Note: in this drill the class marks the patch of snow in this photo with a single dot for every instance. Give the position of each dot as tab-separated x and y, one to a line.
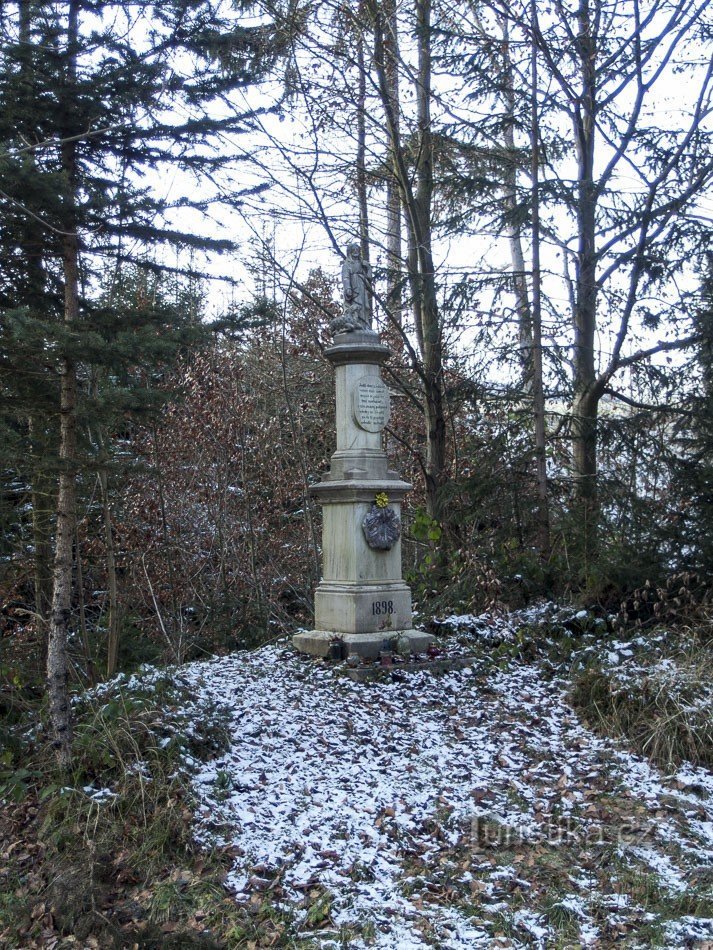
99	795
532	924
339	785
668	875
682	932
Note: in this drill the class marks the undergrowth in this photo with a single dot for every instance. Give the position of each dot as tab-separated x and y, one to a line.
104	856
652	684
656	693
644	674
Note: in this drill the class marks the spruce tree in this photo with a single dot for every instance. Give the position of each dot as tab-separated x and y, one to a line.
98	100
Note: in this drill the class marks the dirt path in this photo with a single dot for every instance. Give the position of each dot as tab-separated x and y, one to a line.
462	811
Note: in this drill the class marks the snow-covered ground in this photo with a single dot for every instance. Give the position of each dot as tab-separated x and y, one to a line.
448	811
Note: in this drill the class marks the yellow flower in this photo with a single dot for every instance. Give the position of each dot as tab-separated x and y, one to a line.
382	499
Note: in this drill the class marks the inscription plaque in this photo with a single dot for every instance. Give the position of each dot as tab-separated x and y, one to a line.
371	404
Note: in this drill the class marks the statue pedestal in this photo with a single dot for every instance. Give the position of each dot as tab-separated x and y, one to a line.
362	599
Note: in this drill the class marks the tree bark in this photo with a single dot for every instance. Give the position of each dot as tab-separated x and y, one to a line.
112	642
361	155
513	229
57	667
42	499
586	398
417	203
57	664
42	481
538	393
428	311
82	607
394	250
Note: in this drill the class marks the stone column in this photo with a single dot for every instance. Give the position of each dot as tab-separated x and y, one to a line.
362	599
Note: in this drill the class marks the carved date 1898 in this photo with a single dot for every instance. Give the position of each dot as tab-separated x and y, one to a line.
380	607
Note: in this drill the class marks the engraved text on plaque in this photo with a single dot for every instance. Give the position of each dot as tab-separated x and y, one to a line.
371	404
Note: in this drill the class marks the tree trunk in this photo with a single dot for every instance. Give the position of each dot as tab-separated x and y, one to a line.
42	498
538	393
57	665
361	156
586	396
82	608
431	331
422	279
57	668
394	251
513	229
584	447
112	642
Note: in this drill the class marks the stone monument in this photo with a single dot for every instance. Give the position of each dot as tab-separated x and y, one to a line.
362	601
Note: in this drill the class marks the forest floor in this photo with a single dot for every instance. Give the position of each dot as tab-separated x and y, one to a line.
463	810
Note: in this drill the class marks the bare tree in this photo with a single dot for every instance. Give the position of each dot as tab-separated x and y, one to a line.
353	116
609	66
616	182
416	190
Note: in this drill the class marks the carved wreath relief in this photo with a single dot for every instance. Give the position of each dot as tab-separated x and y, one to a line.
382	527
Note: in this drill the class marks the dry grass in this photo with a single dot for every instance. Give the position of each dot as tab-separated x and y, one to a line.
656	691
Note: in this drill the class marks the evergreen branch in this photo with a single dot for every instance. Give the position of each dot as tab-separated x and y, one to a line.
35	217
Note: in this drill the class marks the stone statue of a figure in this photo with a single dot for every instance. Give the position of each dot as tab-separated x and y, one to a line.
356	280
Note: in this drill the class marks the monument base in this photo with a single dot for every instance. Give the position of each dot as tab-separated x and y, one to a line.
368	645
356	607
